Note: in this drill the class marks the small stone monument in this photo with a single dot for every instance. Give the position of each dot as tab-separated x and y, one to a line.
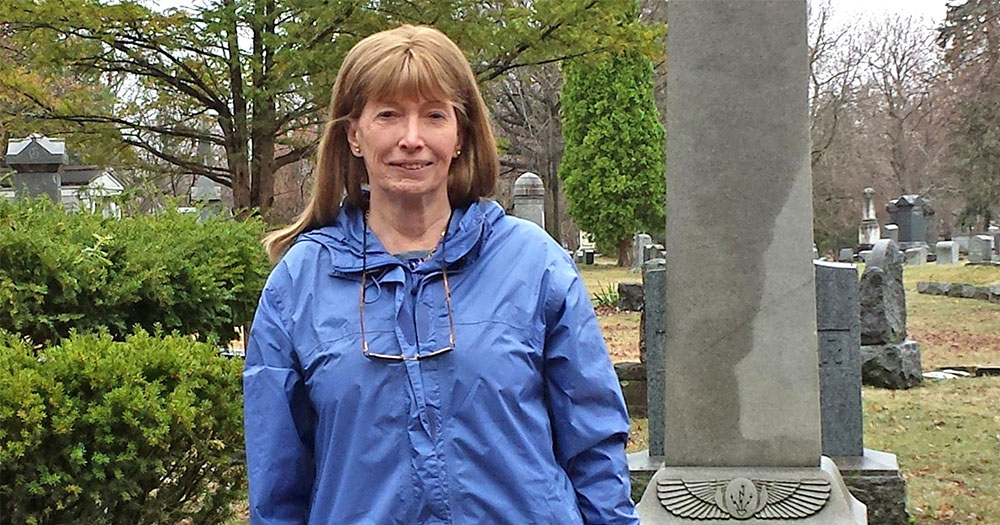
892	232
888	359
639	243
916	256
868	231
963	243
980	249
529	198
742	439
845	255
947	252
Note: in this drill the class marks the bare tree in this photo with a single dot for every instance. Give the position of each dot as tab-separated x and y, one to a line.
836	58
877	114
526	113
902	67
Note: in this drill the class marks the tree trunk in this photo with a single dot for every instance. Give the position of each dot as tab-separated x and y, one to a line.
237	140
625	253
262	124
237	156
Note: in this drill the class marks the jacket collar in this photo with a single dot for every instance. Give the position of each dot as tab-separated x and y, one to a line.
467	231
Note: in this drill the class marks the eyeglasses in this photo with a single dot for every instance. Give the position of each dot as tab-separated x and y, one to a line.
418	356
361	304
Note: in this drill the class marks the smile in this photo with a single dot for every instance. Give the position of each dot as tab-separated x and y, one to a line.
414	165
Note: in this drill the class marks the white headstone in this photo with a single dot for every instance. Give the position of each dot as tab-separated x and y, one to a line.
947	252
529	198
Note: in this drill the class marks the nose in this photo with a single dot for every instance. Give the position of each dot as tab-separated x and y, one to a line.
412	138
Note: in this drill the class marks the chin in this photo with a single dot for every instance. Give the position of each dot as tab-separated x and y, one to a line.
414	189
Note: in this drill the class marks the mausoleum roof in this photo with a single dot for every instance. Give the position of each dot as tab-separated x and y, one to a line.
53	146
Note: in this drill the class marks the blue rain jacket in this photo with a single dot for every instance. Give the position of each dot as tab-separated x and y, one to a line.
523	423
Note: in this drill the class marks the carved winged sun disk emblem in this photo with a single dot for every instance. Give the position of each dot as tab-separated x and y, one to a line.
743	498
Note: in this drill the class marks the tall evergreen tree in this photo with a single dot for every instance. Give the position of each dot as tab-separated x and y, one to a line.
613	161
971	38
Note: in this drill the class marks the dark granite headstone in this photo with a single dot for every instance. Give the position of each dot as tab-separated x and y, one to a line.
654	334
839	332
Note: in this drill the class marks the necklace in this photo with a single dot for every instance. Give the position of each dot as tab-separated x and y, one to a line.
432	250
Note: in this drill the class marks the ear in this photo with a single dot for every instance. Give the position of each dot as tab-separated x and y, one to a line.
458	145
352	138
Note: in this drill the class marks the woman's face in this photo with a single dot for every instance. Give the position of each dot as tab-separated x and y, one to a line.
407	146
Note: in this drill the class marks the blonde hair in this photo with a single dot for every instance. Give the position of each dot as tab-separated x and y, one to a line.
408	60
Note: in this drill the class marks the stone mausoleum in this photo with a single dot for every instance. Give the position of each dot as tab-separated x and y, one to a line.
41	167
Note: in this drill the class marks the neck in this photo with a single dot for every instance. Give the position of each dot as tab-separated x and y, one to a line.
404	226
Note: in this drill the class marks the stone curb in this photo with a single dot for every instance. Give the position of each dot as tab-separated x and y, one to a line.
989	293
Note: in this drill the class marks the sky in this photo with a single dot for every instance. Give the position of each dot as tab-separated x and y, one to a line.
933	10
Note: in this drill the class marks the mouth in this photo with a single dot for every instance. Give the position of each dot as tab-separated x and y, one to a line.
411	164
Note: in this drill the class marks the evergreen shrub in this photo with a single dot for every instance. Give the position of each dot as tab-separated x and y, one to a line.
97	431
61	271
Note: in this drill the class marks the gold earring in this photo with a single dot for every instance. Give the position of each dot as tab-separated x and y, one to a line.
457	153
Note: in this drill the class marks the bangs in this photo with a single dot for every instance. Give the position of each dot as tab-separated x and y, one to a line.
411	72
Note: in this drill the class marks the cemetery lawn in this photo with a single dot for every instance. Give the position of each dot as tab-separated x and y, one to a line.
945	434
946	437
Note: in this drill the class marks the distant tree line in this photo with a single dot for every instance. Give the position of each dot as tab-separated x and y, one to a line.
905	107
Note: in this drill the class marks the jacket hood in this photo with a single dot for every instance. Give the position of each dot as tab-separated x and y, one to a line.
345	239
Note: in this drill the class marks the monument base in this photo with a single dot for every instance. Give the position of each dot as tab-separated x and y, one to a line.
750	495
875	480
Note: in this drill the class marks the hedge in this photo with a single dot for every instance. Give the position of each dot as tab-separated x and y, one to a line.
61	271
98	431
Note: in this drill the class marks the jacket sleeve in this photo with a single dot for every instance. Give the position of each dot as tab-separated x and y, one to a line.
279	422
585	402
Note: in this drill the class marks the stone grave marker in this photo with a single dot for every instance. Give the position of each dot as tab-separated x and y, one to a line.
892	232
947	252
639	243
845	255
839	329
873	476
980	249
963	243
741	395
654	333
916	256
888	359
868	231
529	198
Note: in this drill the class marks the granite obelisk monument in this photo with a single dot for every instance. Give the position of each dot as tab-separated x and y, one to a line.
742	441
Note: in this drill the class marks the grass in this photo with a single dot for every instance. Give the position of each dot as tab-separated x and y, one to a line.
946	437
945	434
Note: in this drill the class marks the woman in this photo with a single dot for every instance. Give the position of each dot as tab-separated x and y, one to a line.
417	356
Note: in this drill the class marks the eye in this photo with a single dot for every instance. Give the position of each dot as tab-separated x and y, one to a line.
385	114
